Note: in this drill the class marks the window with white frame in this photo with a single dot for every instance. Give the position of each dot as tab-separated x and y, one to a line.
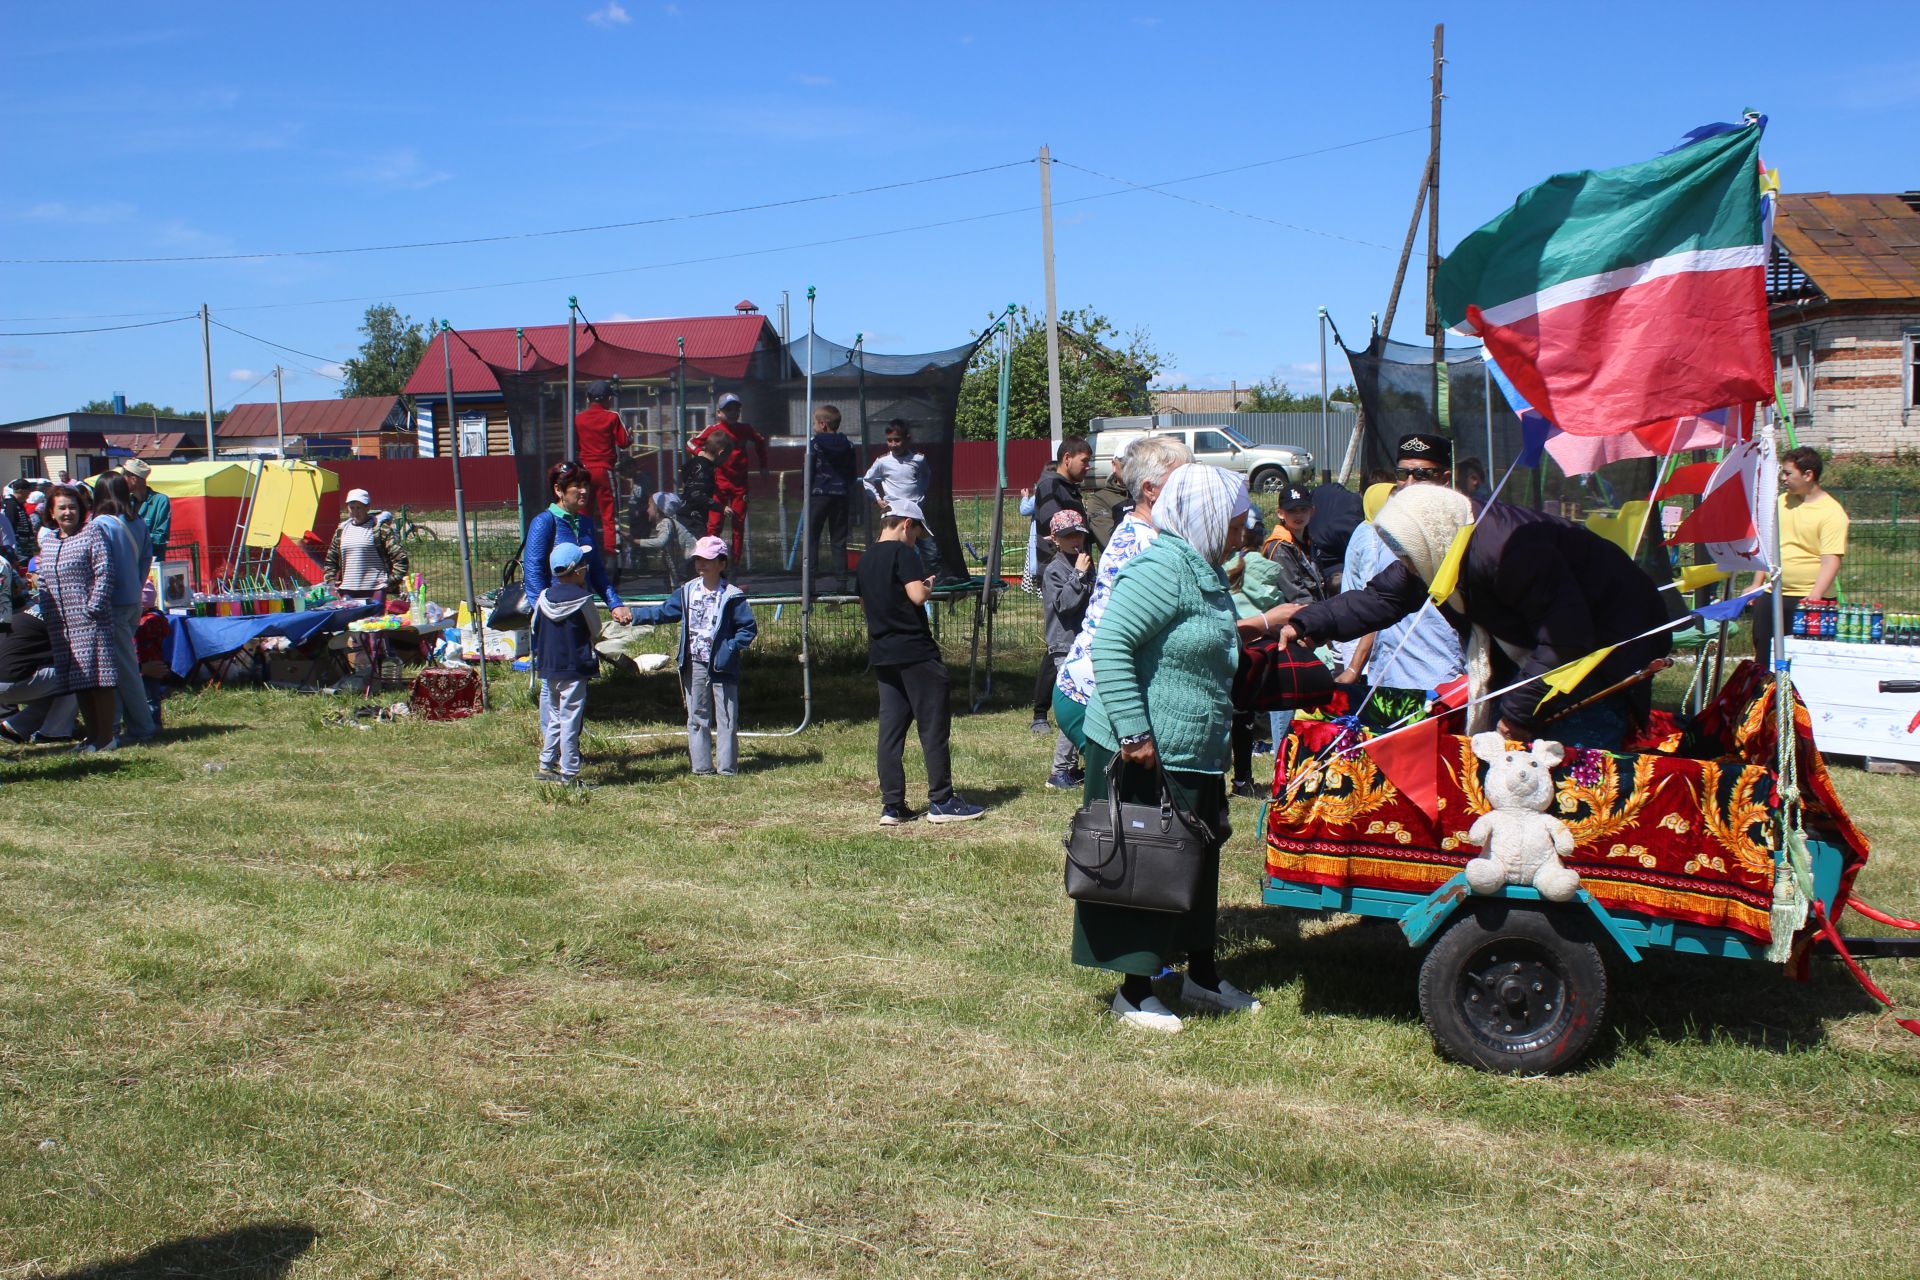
1803	373
1910	366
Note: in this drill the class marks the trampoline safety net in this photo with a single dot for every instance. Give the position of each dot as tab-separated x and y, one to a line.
667	399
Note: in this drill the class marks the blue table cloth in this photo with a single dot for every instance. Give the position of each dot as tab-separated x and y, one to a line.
192	641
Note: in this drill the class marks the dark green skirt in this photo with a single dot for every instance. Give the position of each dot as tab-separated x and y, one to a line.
1145	942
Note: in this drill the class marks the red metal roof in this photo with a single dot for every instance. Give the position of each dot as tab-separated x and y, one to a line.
148	445
352	416
721	346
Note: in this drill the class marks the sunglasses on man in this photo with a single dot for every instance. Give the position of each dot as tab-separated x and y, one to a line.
1421	475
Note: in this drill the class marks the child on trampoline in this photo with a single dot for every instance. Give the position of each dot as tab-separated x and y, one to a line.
716	626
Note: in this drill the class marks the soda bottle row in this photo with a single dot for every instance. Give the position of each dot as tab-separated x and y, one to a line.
1854	623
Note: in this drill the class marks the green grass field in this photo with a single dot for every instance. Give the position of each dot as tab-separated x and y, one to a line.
281	997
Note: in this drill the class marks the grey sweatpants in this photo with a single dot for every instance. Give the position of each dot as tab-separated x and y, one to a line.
563	713
129	691
713	718
1066	756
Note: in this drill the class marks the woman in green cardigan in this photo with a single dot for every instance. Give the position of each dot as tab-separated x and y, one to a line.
1163	664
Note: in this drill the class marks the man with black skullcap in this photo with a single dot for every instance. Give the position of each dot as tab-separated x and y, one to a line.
599	436
1423	459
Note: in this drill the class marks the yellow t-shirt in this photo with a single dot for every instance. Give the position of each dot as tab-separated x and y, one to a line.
1808	530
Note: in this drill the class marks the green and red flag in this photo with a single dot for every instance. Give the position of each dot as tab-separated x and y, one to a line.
1622	297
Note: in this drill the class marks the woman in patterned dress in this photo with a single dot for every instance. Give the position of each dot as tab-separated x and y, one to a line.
75	597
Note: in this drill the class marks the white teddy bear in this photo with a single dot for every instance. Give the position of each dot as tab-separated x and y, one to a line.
1523	843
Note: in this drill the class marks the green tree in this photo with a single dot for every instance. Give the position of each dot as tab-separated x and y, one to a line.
1103	372
393	346
1274	396
148	409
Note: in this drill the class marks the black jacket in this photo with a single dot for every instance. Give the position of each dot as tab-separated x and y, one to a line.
1337	512
1544	586
697	478
1053	493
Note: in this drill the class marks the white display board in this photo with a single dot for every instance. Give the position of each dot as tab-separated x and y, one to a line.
1840	683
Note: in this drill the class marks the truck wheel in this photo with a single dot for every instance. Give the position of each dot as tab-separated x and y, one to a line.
1514	989
1268	480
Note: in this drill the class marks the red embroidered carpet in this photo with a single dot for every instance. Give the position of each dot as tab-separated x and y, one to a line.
1655	831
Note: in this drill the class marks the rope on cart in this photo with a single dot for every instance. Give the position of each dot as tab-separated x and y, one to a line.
1867	984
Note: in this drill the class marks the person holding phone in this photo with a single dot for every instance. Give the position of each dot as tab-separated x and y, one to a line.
894	588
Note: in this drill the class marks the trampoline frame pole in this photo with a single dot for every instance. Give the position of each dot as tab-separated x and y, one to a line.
573	337
983	610
866	441
679	408
460	517
1326	427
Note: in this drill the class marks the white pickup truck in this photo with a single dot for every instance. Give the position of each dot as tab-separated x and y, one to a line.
1267	467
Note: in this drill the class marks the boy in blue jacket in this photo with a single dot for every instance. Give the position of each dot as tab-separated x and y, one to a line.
565	625
716	626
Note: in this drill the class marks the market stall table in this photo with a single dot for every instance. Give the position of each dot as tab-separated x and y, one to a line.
193	642
1841	686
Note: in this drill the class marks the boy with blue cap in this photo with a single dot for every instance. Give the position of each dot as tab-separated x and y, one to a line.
566	623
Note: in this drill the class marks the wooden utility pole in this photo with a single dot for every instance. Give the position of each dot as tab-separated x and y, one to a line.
1053	312
1434	327
206	365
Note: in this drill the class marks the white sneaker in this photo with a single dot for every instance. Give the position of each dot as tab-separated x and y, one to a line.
1149	1014
1228	999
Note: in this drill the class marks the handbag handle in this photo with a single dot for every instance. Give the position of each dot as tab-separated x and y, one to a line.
1169	806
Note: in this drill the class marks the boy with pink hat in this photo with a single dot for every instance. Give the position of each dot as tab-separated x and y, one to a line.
716	626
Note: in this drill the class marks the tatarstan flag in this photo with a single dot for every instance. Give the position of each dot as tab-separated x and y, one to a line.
1627	296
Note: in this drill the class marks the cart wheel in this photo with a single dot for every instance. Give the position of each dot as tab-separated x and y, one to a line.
1514	989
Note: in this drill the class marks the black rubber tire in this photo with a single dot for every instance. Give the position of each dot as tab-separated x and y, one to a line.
1268	480
1514	989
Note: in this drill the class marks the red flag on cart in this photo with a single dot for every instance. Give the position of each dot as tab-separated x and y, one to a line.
1410	758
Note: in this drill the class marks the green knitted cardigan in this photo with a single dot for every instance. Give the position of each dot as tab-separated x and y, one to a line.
1164	658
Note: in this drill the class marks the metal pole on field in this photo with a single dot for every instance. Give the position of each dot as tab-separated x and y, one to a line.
1054	415
460	515
806	492
983	609
206	364
279	413
866	443
1326	423
679	409
573	340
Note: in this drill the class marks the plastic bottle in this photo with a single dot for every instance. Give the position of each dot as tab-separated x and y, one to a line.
1799	628
1877	626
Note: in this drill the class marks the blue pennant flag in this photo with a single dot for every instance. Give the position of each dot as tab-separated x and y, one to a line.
1728	610
1535	430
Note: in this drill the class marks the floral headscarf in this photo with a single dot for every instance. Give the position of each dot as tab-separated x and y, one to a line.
1203	506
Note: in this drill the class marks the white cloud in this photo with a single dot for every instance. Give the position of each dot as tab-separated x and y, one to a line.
20	358
671	10
332	368
620	317
611	14
399	169
813	82
95	214
242	375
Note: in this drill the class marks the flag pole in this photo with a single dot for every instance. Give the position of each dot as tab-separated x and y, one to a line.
460	512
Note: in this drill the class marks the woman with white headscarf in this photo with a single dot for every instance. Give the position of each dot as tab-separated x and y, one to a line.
1535	592
1163	663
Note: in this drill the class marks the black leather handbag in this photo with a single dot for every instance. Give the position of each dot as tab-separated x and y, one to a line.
1146	856
511	611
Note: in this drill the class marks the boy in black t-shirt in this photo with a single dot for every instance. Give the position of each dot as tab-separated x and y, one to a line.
894	588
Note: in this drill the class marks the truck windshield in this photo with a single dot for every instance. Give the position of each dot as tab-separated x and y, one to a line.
1237	438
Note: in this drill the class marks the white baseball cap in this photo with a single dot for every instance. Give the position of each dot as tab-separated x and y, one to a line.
908	508
727	399
359	495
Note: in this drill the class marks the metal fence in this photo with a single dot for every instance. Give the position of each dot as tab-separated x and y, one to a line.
1882	565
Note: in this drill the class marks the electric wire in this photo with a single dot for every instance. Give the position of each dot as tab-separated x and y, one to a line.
1126	187
283	347
111	328
517	235
1156	189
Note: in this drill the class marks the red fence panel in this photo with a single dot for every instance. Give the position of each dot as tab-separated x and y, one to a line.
426	482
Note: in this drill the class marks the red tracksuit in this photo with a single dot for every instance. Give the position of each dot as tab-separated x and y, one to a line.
730	478
599	436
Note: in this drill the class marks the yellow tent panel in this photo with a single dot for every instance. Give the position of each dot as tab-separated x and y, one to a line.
200	480
287	501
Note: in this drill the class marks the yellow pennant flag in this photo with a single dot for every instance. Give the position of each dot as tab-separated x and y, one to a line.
1566	679
1447	576
1695	576
1624	527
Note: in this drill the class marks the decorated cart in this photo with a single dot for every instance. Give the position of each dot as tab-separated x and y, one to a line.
1677	846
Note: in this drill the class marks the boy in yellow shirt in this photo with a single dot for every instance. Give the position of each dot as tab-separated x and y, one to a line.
1813	541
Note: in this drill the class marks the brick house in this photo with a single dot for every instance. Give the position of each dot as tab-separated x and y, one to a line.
1843	290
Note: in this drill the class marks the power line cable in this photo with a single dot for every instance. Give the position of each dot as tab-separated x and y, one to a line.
517	235
1126	188
283	347
112	328
1156	189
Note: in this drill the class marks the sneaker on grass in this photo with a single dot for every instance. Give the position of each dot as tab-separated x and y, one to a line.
1148	1015
1061	780
1227	998
895	815
954	809
1039	725
545	774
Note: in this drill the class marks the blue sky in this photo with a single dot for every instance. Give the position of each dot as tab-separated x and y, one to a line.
142	130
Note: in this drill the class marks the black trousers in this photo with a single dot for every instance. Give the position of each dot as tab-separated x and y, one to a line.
1043	686
831	512
914	693
1763	625
1243	731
